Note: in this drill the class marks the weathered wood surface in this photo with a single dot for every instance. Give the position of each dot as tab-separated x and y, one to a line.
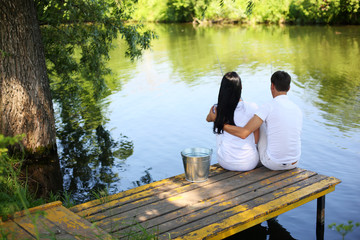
228	202
50	221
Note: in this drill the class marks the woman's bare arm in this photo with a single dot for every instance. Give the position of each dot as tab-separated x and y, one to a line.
212	114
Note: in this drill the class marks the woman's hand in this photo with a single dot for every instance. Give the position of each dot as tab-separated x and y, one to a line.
212	114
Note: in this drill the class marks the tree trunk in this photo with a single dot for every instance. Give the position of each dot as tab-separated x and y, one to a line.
25	98
26	105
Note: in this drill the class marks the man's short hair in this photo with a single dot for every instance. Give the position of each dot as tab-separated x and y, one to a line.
281	81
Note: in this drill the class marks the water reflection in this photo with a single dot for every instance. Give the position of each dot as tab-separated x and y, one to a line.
87	149
328	63
146	179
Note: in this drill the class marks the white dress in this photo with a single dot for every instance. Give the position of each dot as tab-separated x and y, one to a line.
234	153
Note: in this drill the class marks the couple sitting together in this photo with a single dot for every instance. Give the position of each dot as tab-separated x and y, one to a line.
248	136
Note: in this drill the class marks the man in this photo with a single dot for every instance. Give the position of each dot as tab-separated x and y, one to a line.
279	144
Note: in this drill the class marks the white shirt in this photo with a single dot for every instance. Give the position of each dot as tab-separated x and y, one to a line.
234	153
283	120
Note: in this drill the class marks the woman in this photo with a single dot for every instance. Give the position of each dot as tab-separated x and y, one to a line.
233	153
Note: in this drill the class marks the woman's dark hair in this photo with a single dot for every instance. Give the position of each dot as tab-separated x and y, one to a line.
228	99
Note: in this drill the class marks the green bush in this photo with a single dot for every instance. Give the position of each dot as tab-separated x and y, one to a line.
188	10
256	11
313	11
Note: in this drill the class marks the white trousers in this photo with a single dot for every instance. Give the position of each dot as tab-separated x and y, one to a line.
264	158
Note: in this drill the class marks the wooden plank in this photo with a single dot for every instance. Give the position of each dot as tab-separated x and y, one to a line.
245	218
55	222
41	227
224	208
144	197
213	196
242	203
75	225
10	230
32	223
147	197
43	207
188	197
214	170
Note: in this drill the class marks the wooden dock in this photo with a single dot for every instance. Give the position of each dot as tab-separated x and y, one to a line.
227	203
49	221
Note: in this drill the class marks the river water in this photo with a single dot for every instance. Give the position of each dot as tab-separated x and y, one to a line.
151	109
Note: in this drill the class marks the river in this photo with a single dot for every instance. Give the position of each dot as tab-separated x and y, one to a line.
151	109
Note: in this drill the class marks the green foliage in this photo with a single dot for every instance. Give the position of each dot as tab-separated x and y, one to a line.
65	197
255	11
67	200
101	194
7	141
14	194
180	10
312	11
78	35
188	10
344	229
330	11
270	11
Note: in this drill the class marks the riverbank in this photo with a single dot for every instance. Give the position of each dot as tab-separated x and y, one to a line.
248	11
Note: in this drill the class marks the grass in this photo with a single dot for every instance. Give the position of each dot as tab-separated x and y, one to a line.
14	194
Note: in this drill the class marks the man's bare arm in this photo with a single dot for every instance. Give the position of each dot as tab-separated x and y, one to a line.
243	132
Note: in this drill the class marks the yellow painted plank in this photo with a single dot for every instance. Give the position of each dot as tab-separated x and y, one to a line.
57	222
217	210
166	220
10	230
214	169
33	224
140	198
132	201
268	216
27	219
263	212
41	227
178	199
38	208
96	202
75	225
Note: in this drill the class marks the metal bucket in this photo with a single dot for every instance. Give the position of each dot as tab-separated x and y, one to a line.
196	163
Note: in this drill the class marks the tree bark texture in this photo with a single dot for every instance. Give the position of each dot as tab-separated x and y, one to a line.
25	97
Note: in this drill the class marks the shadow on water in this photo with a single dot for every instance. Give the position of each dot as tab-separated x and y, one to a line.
273	231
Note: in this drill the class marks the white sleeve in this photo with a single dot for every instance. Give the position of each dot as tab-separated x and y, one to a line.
263	111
